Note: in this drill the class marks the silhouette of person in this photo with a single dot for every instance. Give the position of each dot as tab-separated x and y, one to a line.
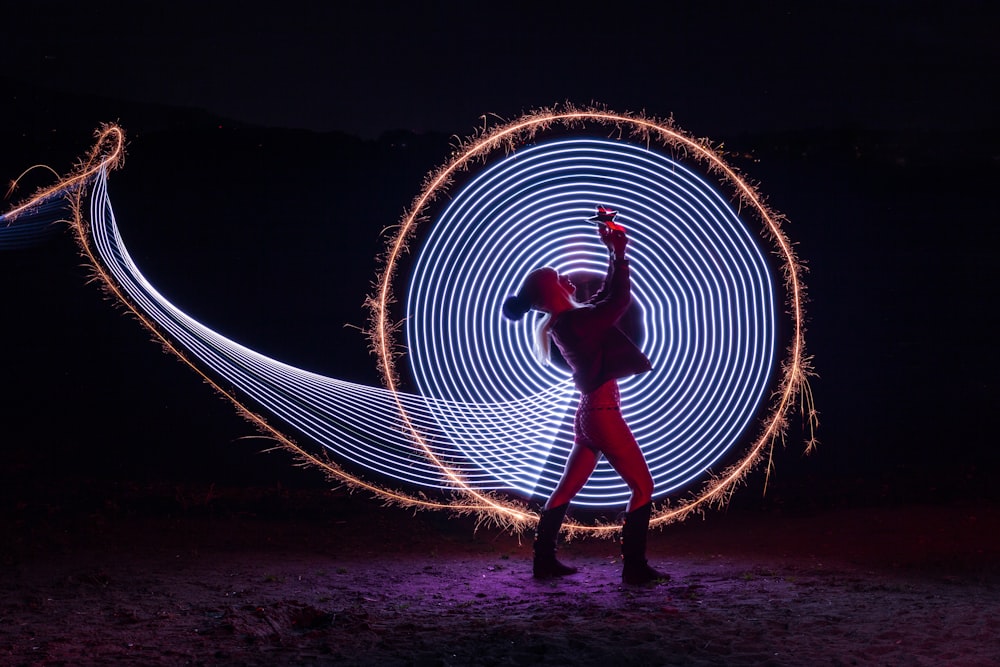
598	353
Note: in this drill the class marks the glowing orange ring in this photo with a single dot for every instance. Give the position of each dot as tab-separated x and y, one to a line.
108	153
795	369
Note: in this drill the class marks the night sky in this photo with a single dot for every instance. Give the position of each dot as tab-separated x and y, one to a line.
892	211
363	68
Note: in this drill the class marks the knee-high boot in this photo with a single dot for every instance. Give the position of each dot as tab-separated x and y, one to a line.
636	570
545	564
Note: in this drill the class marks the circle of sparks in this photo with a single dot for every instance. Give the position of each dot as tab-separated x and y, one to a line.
549	227
701	285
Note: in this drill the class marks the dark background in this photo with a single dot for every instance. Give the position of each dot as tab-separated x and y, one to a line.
269	152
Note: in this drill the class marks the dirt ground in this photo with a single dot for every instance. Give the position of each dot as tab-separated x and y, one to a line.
207	576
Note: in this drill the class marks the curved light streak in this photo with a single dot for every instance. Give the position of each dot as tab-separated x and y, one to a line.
382	439
33	230
356	424
792	382
700	281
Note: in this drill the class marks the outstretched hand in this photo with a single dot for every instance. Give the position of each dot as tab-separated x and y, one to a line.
614	239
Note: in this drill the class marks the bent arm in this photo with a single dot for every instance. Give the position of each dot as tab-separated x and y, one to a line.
614	297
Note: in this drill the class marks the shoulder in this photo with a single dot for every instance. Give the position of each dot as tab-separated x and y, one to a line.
573	318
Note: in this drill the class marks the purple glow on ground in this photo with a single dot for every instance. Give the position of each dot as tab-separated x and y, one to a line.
241	579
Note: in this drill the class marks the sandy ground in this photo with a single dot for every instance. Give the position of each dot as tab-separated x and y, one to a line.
204	576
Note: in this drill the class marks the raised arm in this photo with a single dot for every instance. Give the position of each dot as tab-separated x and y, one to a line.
614	297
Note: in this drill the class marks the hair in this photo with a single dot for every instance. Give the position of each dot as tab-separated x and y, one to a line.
516	306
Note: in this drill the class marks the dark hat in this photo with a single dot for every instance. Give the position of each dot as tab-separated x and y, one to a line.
604	214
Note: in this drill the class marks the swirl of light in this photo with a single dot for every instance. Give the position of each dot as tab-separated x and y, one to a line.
790	384
355	424
700	281
404	446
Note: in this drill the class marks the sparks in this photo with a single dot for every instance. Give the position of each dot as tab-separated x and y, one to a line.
642	130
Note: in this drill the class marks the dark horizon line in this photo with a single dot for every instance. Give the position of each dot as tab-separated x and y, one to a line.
161	116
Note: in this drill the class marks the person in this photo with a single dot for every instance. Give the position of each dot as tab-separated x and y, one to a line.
599	354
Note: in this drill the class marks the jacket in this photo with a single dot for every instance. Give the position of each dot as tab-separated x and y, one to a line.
591	342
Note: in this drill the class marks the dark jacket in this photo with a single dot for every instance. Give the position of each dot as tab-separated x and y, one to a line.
590	340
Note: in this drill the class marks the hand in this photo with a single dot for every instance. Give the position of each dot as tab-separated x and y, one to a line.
615	240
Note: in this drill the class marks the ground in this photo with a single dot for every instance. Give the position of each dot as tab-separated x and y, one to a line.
249	576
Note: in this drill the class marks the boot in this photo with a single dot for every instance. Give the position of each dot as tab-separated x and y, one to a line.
636	570
545	564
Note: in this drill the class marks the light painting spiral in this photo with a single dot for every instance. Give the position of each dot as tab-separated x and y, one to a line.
700	283
486	430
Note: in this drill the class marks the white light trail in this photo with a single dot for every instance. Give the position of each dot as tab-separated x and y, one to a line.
700	283
357	424
490	425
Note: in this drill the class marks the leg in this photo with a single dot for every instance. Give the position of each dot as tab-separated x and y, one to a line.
636	570
609	432
616	441
545	564
579	466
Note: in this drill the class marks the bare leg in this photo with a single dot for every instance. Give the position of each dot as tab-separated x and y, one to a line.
625	456
579	466
608	430
631	465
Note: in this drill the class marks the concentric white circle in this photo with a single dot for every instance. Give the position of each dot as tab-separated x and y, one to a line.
702	288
